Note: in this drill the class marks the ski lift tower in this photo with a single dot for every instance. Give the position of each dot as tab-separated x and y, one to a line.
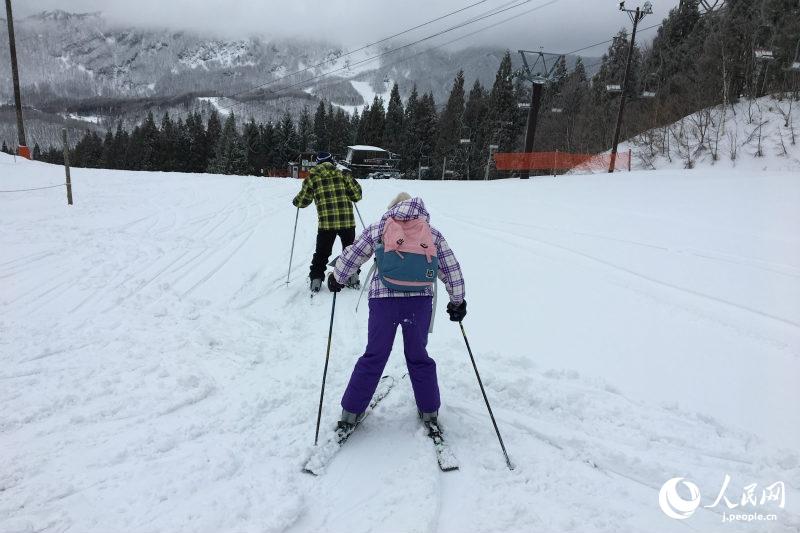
636	16
540	72
709	6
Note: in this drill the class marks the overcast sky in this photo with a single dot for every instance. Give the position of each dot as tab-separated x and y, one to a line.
561	26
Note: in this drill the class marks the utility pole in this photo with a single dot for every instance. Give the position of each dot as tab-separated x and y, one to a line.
23	149
539	74
636	16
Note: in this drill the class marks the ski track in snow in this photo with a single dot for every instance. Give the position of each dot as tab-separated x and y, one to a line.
159	374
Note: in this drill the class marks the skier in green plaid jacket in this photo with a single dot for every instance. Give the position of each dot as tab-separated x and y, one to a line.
333	192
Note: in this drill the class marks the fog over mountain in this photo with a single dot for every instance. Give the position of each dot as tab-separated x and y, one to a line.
83	67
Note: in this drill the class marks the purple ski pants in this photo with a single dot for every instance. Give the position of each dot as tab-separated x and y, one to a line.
413	314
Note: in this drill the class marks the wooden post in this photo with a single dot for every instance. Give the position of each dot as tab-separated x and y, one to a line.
444	167
66	166
630	158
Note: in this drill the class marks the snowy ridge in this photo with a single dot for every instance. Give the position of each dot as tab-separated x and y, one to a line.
760	134
159	375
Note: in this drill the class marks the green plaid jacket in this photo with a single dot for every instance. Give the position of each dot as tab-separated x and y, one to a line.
333	192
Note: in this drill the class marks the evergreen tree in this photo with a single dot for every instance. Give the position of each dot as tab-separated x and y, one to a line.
322	128
499	125
269	148
361	130
230	155
37	152
393	128
167	155
341	133
424	128
474	117
149	149
5	149
253	142
118	153
355	125
450	130
287	141
411	148
109	161
305	131
183	147
197	159
213	132
375	123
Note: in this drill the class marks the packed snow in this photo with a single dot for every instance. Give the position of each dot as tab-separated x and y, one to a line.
217	102
368	94
160	375
92	119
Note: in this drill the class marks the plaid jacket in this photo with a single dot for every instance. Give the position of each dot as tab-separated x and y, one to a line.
333	192
360	251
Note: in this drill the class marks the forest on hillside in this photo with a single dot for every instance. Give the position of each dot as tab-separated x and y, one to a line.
697	59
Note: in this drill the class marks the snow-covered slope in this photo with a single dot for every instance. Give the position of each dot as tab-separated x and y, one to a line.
159	375
760	134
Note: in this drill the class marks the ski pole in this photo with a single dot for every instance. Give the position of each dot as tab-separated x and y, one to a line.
485	399
325	372
294	235
359	217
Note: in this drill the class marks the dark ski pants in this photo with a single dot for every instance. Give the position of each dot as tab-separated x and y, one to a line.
413	315
325	240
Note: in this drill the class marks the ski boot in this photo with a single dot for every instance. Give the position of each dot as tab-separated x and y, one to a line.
349	421
429	418
315	285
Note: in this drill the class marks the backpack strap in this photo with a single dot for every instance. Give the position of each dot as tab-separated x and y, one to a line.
433	311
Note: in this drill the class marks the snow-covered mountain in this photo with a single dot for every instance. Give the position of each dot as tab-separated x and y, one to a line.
79	70
77	56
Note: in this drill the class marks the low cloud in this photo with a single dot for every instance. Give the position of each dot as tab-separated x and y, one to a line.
562	25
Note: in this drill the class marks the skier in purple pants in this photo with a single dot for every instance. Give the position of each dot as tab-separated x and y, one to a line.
389	308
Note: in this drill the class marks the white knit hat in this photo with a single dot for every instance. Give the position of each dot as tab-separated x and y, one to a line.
402	197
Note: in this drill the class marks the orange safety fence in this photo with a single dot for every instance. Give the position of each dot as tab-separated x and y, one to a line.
560	161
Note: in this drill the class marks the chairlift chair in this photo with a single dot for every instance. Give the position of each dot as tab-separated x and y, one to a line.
614	88
648	94
523	105
795	66
557	110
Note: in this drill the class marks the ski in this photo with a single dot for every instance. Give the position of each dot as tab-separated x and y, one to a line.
323	454
444	455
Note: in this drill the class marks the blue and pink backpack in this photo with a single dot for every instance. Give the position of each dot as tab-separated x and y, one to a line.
406	257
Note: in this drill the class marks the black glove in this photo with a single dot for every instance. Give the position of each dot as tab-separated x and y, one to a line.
333	285
457	312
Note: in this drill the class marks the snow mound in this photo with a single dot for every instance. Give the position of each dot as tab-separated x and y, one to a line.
760	134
